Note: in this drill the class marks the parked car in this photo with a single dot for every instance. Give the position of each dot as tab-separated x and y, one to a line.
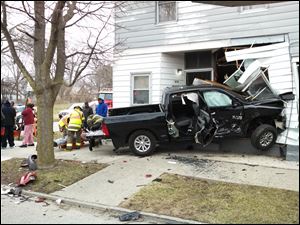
19	118
92	104
195	114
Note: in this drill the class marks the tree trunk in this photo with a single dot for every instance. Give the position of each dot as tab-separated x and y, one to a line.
45	151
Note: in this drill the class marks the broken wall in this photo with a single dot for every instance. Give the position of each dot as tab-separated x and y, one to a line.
276	58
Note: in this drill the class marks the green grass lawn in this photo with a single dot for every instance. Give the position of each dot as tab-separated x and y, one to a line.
216	202
65	173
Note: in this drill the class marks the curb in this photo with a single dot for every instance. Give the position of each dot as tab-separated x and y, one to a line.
112	209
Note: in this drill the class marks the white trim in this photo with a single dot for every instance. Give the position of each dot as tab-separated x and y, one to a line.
295	59
193	46
296	79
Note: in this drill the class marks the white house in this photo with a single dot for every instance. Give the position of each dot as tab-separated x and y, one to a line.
172	42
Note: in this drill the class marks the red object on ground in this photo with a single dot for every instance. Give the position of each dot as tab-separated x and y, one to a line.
40	199
27	177
148	175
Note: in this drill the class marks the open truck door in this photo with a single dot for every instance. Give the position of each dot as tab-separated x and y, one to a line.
188	117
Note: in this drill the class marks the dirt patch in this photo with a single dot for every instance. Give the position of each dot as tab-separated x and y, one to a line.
65	173
216	202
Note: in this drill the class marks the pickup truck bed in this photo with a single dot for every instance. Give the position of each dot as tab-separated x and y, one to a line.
128	120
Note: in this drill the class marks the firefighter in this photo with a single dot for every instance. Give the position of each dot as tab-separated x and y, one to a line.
94	122
63	127
74	127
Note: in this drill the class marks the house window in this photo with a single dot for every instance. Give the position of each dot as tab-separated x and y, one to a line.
141	90
254	8
166	11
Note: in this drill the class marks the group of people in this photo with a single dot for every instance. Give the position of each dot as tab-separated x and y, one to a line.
8	124
70	125
81	118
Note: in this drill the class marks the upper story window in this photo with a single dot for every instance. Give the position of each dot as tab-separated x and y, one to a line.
166	11
254	8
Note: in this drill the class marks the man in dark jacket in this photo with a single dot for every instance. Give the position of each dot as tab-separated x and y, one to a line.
87	110
9	124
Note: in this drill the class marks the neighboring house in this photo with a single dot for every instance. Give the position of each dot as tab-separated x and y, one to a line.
172	42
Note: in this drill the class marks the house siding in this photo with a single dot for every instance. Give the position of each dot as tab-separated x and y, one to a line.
202	22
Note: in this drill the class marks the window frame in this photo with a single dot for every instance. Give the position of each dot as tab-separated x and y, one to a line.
132	89
157	12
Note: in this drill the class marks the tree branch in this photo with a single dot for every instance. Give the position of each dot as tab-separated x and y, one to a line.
12	47
29	35
25	10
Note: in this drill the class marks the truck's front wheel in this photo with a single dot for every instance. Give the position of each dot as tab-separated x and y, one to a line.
264	137
142	143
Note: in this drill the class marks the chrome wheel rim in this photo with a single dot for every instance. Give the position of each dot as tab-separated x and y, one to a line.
142	143
266	139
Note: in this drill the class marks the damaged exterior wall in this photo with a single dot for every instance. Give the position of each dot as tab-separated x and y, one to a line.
277	59
158	48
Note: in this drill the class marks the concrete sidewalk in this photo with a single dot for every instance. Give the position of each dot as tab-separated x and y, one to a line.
126	173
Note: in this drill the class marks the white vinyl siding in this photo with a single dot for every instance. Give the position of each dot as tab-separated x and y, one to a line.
198	22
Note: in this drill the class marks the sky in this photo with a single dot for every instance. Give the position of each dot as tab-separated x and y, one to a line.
76	36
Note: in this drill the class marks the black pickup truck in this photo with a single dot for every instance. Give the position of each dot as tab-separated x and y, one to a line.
195	114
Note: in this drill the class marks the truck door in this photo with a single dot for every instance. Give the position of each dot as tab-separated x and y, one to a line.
226	110
201	125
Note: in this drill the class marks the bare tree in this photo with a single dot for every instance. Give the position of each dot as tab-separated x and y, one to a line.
50	54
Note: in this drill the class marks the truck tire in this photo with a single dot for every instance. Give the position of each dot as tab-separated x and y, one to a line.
264	137
142	143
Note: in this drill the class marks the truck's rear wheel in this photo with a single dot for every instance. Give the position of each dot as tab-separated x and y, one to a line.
142	143
264	137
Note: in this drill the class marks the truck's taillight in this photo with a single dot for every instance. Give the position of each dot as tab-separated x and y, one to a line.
105	130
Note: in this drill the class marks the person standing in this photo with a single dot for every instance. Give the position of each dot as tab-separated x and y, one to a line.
101	108
74	128
87	110
9	114
28	118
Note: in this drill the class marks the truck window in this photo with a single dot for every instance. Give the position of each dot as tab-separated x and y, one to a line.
217	99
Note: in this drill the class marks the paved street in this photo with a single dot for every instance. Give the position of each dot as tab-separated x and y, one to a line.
30	212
